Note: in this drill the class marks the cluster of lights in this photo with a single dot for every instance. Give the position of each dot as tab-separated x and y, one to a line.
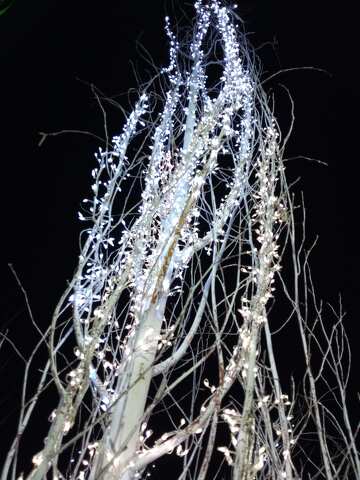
144	251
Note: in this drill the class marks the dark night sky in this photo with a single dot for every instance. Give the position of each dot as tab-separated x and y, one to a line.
50	52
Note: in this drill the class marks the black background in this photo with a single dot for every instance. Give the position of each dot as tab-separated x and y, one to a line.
51	51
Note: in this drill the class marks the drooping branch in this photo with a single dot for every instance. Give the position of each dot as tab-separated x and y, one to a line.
167	313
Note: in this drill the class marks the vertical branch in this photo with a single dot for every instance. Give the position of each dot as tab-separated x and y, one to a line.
184	226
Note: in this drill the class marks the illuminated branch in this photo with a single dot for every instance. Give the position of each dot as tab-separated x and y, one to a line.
182	244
